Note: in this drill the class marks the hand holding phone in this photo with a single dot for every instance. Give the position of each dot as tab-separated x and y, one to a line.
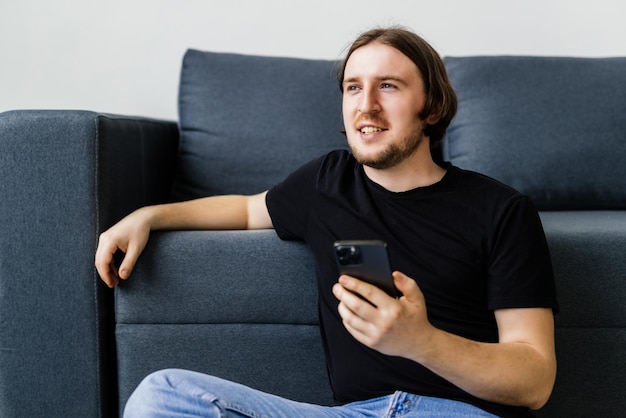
368	261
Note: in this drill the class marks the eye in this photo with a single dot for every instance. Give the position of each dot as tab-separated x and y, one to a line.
351	87
387	86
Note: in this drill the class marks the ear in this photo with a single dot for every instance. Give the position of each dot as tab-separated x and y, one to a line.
432	119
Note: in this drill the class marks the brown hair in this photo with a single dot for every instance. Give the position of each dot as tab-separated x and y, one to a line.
441	100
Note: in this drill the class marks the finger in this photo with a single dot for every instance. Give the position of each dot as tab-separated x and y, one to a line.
352	322
105	264
113	277
407	286
108	276
129	261
346	296
372	294
353	307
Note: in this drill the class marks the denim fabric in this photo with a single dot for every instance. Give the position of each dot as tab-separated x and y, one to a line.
181	393
551	127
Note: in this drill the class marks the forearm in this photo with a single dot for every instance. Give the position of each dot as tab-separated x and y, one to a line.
218	212
511	373
518	370
211	213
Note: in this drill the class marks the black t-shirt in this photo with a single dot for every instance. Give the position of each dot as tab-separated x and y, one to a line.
471	243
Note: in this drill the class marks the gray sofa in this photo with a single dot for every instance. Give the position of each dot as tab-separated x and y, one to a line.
242	305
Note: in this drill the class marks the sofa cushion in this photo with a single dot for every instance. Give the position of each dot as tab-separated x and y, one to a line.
553	128
184	276
587	254
587	250
241	305
248	121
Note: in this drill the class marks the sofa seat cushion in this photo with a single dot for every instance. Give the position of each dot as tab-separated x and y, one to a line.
240	305
587	249
184	277
248	121
550	127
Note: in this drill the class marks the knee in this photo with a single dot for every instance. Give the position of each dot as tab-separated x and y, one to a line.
152	396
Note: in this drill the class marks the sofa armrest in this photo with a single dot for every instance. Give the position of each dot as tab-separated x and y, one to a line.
64	176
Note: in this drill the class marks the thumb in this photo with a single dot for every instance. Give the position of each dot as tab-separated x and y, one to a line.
407	286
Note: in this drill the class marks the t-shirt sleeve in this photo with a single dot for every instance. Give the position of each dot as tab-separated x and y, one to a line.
520	271
290	202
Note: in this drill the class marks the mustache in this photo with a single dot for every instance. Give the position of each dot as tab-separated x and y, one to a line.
371	118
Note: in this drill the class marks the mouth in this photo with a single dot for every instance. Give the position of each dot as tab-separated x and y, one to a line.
368	129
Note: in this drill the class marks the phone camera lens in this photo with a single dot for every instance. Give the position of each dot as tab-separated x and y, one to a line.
348	255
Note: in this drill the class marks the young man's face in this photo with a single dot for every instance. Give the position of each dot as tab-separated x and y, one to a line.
383	94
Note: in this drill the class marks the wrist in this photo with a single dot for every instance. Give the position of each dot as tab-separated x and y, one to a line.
429	344
148	216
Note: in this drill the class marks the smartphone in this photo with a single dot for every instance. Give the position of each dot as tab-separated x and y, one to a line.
368	261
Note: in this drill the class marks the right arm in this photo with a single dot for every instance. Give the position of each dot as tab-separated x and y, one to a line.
130	235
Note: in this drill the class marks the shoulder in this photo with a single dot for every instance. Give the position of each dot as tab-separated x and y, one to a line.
338	160
477	181
483	186
291	201
489	195
339	173
312	173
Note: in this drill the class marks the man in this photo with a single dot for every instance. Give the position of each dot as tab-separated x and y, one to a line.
473	333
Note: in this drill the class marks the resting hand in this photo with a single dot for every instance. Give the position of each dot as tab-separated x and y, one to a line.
130	236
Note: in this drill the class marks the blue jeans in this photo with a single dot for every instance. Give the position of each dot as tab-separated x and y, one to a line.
181	393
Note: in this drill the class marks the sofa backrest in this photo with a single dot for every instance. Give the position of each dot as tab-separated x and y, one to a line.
247	121
553	128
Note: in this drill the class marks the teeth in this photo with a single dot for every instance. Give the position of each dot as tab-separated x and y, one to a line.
370	129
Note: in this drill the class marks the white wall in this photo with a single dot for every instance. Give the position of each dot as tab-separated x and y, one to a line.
123	56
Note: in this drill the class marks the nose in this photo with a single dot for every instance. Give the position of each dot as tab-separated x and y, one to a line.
369	101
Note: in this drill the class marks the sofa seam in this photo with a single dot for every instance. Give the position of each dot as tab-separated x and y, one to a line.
216	323
94	274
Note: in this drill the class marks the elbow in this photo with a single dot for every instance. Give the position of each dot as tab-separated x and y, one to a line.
539	403
542	393
534	388
540	400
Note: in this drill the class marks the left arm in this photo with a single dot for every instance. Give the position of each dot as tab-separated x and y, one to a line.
518	370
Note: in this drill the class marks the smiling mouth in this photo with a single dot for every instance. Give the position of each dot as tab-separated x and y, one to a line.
370	129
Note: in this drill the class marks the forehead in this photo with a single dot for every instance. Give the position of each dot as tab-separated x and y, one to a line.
377	60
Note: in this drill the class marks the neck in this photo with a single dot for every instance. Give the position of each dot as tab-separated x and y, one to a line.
418	170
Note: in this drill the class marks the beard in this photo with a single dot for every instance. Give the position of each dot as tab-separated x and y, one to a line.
393	154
